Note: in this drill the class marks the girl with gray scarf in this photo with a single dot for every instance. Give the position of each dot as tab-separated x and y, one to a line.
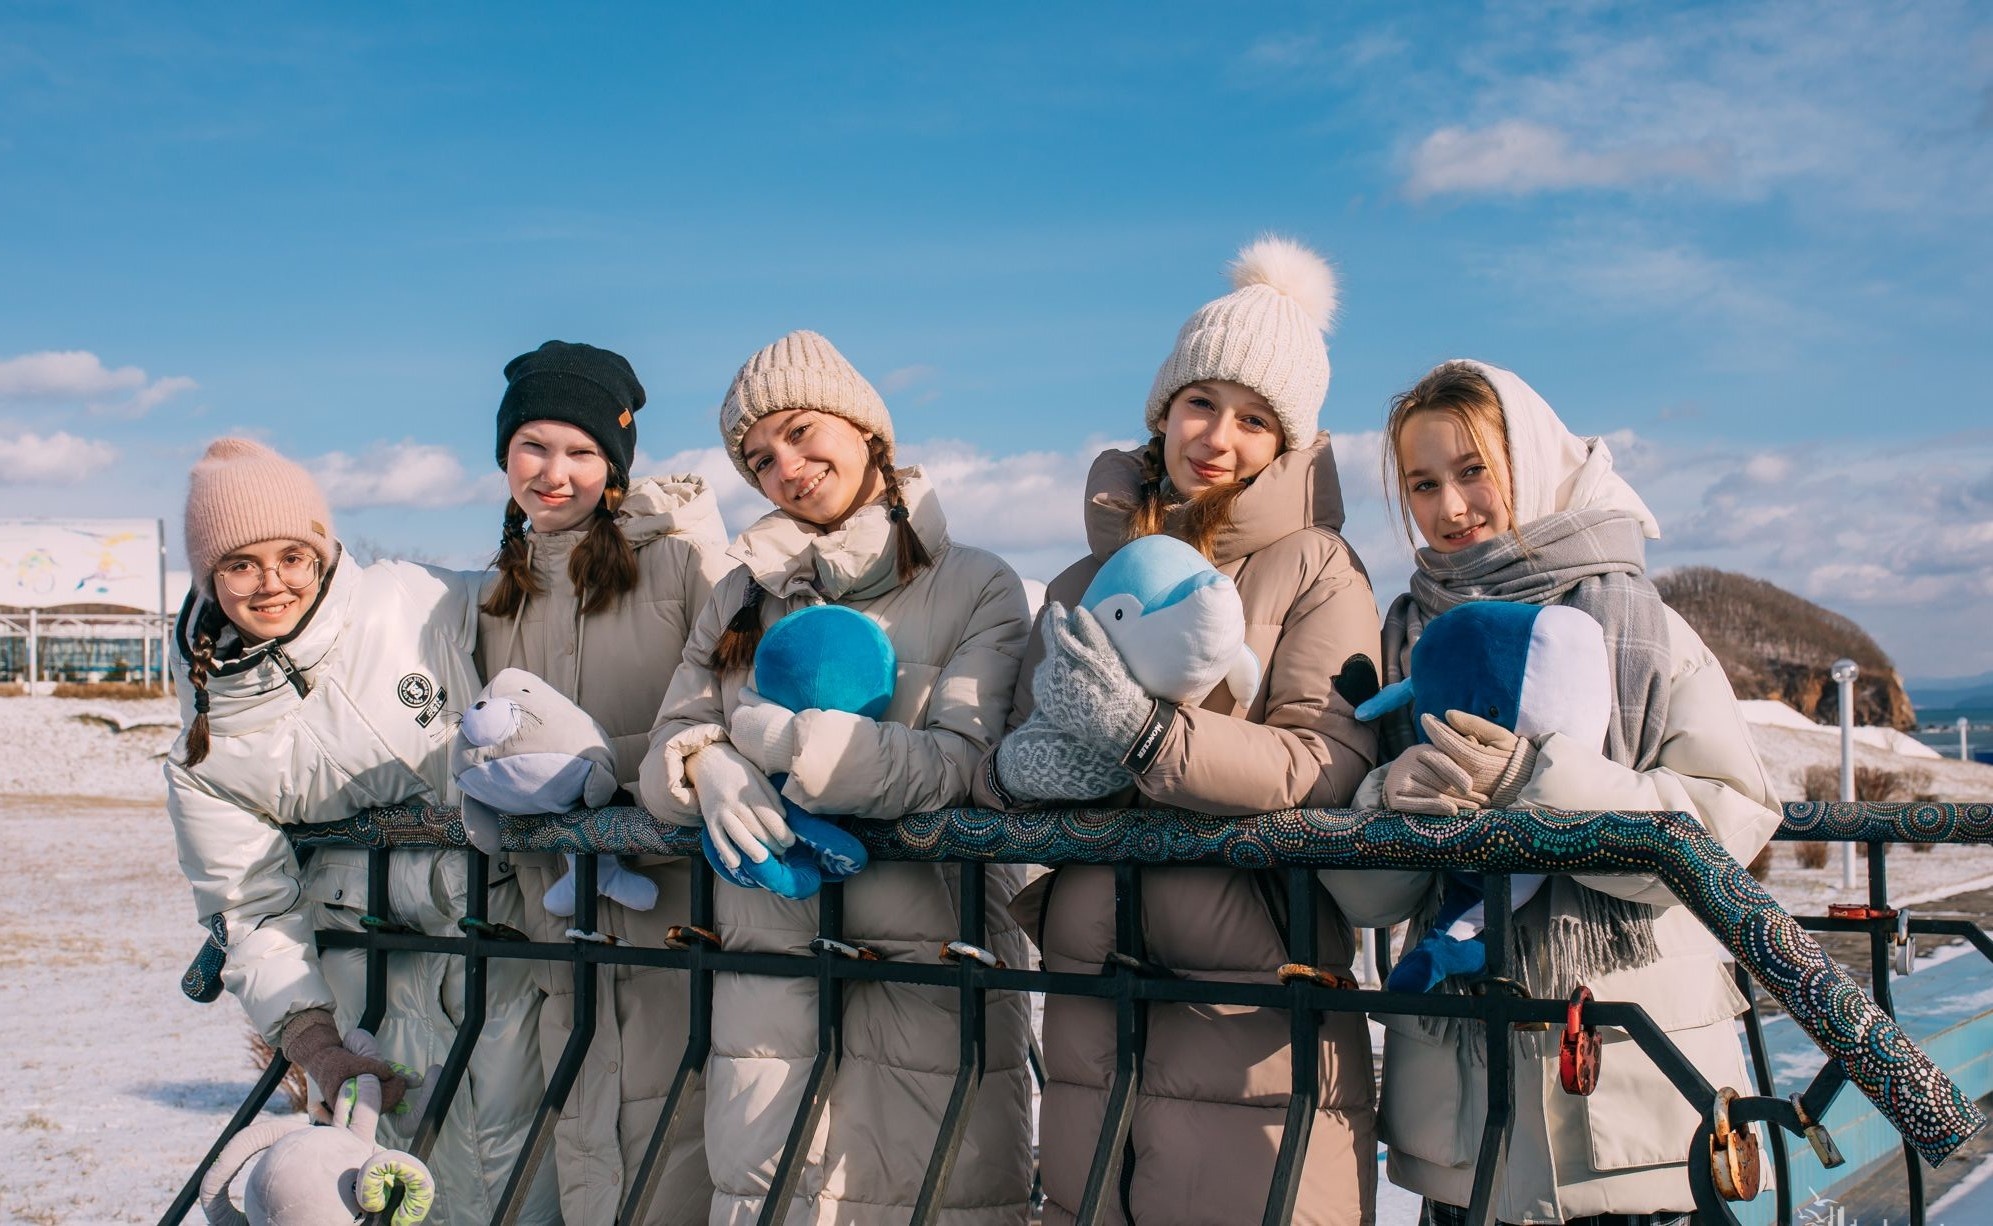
1512	506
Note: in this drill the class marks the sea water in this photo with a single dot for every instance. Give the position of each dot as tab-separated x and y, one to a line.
1938	728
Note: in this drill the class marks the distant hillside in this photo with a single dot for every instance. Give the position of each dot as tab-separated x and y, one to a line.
1776	645
1952	692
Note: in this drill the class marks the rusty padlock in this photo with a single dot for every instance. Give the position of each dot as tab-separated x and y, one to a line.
1816	1135
1578	1057
1734	1164
1906	944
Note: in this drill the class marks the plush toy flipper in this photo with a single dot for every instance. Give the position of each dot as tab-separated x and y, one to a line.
1244	677
1390	698
480	824
621	885
1436	958
601	786
832	849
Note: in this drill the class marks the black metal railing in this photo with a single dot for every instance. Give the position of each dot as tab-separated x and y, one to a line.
1858	1035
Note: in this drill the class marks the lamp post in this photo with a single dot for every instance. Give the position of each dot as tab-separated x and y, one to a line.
1844	673
1964	750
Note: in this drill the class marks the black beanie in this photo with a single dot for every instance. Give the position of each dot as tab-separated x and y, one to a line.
581	385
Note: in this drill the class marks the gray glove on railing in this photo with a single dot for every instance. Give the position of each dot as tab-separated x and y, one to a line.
1082	686
1041	761
311	1041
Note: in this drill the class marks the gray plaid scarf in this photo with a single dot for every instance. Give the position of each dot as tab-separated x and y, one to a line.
1595	560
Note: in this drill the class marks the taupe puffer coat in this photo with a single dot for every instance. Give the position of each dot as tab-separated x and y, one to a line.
958	627
616	664
1215	1080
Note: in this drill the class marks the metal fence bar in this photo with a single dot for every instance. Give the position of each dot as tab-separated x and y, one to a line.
973	1026
1304	1034
540	1133
1131	1035
697	938
830	947
444	1088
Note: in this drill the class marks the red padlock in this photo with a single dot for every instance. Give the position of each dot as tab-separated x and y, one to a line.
1578	1057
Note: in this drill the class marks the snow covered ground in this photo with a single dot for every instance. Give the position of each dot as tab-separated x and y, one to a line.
120	1083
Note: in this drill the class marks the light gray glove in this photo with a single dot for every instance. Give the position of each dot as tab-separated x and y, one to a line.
743	811
764	731
1497	761
1082	686
1041	761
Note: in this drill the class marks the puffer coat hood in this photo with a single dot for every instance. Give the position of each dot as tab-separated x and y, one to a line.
355	709
616	664
1215	1084
957	628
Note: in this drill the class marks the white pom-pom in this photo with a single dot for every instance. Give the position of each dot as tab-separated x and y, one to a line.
1288	268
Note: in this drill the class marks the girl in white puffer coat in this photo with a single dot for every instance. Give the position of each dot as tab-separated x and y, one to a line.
313	688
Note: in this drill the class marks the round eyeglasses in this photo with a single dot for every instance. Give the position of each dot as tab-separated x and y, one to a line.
296	570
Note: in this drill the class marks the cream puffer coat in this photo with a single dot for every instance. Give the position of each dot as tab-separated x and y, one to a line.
1623	1149
356	709
958	627
615	664
1216	1080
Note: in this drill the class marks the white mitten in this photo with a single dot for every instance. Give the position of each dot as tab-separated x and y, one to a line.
743	811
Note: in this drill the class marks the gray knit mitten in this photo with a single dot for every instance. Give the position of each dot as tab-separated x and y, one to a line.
1083	687
311	1041
1040	761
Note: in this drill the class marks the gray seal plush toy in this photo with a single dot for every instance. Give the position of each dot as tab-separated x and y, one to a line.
524	748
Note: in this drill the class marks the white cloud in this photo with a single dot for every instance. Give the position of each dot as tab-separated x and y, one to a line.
77	375
1517	157
1840	103
56	459
906	377
404	474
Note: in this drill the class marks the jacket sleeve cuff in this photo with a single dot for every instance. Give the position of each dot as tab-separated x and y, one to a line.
664	784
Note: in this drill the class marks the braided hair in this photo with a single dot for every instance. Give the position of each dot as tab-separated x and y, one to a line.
602	567
1205	513
735	650
200	663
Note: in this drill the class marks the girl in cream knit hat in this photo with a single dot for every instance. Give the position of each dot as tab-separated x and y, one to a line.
313	688
847	527
1236	467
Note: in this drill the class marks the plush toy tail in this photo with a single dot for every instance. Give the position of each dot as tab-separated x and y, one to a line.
1244	677
480	824
612	881
387	1170
1435	958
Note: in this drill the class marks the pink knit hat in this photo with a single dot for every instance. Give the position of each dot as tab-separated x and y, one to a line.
241	492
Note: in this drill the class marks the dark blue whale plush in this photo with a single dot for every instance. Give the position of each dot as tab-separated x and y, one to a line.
828	658
1533	669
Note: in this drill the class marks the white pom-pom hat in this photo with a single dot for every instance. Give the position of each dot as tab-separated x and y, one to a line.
1268	334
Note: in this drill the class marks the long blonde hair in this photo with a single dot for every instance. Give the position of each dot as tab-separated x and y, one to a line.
1459	391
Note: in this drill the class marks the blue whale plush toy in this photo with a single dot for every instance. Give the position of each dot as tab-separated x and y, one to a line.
1533	669
1177	622
828	658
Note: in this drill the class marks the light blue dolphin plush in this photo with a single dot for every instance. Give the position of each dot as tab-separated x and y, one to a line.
1177	622
1533	669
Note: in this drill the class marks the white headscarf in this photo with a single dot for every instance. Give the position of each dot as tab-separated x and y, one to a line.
1552	469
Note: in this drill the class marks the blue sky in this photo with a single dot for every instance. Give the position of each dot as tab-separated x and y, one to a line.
1748	243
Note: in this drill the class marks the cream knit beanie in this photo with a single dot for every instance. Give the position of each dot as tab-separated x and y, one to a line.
800	371
241	492
1267	334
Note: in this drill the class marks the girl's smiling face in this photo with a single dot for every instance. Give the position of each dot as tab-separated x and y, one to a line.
556	473
1457	497
813	465
1216	432
281	578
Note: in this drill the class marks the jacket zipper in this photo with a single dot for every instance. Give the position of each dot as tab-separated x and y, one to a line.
290	671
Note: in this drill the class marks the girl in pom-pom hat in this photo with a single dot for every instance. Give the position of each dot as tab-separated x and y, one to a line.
848	527
1512	505
312	688
1236	467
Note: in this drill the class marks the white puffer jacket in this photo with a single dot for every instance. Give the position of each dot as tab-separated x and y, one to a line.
355	709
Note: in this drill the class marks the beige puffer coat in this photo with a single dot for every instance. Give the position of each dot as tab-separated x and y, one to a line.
1622	1149
616	664
357	708
958	628
1215	1080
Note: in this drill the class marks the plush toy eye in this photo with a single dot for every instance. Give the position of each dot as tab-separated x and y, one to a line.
1119	614
1494	712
